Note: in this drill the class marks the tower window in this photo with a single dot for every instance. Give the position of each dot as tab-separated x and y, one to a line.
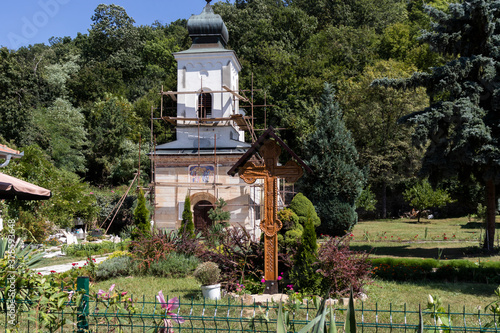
205	105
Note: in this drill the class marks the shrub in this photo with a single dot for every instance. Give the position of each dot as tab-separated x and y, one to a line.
141	216
81	250
149	249
304	275
342	268
175	265
239	257
207	273
116	266
187	224
304	209
292	229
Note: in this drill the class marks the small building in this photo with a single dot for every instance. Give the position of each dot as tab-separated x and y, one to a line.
210	135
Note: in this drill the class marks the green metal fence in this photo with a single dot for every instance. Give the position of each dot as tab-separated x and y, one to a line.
233	316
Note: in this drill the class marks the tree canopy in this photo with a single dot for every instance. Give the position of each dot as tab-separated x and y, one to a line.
105	81
460	128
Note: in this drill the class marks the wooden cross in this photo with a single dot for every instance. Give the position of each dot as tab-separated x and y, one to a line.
270	225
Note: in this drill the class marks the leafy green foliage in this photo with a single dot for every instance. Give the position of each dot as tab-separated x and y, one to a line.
304	209
70	199
459	129
141	215
422	196
217	214
303	274
81	250
336	181
292	229
187	224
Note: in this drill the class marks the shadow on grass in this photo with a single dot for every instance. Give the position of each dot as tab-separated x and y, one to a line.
406	251
477	225
474	289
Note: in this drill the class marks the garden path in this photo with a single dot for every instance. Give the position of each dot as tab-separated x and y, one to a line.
67	266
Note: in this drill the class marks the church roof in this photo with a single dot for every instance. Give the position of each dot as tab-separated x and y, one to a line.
207	28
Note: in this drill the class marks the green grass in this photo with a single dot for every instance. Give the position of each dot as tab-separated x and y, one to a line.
457	238
380	293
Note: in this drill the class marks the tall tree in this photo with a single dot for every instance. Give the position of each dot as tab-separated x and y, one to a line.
64	126
461	127
336	181
372	114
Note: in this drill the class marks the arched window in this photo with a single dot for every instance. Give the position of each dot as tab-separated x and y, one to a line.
205	105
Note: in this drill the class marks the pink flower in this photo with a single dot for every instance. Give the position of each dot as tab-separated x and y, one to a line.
263	280
91	193
279	278
170	306
101	293
124	293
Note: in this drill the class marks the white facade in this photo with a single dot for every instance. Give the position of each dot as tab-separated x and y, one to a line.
196	163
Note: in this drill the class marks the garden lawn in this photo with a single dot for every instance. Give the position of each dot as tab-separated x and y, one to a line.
471	295
456	238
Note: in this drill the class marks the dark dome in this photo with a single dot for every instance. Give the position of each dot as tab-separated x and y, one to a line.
207	27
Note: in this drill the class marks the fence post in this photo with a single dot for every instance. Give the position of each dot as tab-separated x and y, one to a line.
82	283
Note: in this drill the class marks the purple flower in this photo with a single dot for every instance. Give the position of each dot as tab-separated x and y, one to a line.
263	280
170	306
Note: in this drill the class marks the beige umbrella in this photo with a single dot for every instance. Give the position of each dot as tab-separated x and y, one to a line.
14	188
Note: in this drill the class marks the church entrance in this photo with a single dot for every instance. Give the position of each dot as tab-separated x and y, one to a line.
201	219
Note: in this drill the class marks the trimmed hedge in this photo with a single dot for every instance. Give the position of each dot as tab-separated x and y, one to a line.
436	270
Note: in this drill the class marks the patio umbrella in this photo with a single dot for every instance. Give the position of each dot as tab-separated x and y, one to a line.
14	188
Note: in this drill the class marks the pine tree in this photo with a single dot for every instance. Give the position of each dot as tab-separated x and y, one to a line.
141	214
336	181
187	224
460	128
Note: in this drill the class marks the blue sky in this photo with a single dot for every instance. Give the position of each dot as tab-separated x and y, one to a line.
25	22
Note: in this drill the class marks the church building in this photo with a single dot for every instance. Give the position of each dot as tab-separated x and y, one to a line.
210	135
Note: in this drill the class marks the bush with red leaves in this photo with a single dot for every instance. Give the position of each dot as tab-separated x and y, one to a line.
342	268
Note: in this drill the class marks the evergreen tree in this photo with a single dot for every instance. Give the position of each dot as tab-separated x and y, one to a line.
336	181
304	209
303	273
460	128
187	224
141	214
218	215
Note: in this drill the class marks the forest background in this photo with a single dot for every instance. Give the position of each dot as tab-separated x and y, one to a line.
80	107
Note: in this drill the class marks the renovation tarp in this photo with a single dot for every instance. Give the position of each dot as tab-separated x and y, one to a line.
14	188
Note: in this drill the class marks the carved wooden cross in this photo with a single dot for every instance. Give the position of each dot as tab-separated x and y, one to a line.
270	225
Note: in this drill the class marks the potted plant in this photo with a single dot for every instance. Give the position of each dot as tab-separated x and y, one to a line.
208	274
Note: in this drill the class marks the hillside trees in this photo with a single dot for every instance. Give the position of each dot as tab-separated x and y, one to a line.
460	127
372	112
